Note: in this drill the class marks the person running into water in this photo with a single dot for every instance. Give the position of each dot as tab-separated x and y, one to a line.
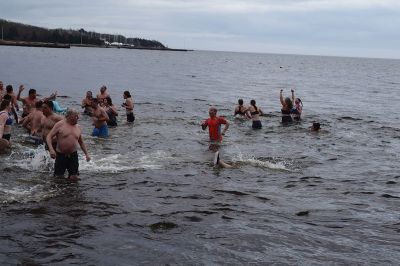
87	103
253	113
49	119
100	119
112	113
298	107
68	135
128	105
286	110
214	123
240	109
5	125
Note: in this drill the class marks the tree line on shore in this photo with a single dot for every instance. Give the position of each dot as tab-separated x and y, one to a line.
15	31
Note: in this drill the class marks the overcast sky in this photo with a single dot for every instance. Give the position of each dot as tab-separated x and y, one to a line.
366	28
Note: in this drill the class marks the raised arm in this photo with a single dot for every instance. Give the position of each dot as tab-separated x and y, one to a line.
52	97
281	98
20	89
292	95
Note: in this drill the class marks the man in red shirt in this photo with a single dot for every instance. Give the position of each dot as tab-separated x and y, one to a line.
214	129
214	125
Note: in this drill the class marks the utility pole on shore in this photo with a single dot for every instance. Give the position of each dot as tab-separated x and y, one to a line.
2	32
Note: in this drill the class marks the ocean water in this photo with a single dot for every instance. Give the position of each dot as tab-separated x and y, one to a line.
150	195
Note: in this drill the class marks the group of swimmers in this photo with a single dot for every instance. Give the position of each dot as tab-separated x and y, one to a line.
60	134
291	110
103	112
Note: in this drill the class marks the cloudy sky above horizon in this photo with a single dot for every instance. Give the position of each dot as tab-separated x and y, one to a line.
361	28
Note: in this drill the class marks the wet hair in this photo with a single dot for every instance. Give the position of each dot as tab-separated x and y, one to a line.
289	103
299	100
240	101
127	94
213	108
70	111
253	103
316	126
9	88
103	88
49	104
95	100
31	91
91	93
108	100
4	104
38	104
7	97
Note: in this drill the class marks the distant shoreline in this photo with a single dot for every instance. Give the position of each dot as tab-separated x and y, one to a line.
67	46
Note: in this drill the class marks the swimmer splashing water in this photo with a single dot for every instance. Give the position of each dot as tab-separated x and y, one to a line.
214	123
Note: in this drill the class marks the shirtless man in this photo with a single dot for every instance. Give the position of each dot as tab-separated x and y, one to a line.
33	121
68	135
49	119
29	102
87	103
100	119
101	97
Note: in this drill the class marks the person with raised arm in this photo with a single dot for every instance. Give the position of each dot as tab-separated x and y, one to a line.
286	109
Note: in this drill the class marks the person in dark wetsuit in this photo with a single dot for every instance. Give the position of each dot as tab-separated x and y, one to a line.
240	109
112	112
254	112
5	124
286	110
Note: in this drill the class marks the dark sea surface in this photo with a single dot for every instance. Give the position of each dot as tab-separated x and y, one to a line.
151	196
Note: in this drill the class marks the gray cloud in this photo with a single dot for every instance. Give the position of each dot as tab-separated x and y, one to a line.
336	27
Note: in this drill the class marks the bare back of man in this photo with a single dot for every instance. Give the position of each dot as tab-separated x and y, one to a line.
47	124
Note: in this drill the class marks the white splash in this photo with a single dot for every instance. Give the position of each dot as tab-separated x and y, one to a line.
115	163
258	163
31	159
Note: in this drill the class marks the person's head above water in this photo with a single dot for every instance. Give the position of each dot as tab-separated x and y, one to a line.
127	94
288	102
240	101
212	111
315	126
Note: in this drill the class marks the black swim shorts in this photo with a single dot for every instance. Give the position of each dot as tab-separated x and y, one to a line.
68	162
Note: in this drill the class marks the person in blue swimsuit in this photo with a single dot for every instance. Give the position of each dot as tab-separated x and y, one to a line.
100	119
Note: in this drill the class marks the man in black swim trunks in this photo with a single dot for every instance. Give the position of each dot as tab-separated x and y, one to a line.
68	134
